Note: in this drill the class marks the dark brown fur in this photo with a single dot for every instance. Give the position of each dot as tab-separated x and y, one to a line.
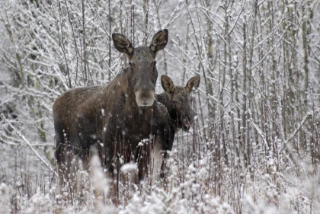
116	117
178	101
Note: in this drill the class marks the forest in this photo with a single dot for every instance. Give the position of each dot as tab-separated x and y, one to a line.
255	144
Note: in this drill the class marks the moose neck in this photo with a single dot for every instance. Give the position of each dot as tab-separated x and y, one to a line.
163	98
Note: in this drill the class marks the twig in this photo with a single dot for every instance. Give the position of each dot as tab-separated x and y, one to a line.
28	143
309	114
260	132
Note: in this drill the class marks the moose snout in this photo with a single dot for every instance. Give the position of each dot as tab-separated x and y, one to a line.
144	97
186	123
145	89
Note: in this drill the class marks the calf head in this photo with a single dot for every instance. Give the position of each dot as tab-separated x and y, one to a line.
180	101
142	74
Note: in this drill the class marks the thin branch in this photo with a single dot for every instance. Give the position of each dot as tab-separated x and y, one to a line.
29	144
304	120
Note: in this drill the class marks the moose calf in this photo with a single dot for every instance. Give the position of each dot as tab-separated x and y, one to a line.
178	101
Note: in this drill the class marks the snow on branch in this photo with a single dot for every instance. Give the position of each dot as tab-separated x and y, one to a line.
304	120
29	144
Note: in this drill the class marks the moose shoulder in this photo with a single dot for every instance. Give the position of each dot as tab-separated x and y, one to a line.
117	116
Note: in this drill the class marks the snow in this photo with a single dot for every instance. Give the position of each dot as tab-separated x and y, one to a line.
128	167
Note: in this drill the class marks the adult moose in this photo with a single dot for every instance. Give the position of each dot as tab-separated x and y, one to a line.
116	117
178	101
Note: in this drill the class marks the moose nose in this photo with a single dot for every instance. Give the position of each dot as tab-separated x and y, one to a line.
186	123
144	102
145	98
188	119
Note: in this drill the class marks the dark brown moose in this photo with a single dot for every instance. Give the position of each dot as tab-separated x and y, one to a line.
178	101
116	117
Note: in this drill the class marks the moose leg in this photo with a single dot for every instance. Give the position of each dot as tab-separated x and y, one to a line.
162	146
63	161
107	154
156	161
142	158
163	143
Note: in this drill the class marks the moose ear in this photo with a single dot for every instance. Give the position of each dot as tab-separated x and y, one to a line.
193	83
122	44
167	84
159	41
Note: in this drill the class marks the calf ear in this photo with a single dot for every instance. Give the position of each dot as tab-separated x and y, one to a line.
167	84
122	44
159	41
193	83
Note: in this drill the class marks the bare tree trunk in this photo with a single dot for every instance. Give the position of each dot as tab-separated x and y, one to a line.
84	45
185	57
146	20
227	64
110	37
165	64
273	88
244	96
306	28
250	87
209	72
